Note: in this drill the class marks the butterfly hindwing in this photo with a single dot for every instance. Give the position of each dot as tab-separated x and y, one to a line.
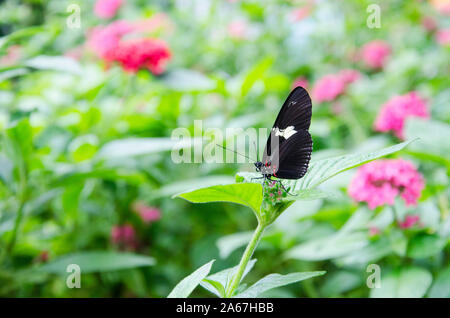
291	158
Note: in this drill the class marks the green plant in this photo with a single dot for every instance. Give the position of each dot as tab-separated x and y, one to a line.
267	206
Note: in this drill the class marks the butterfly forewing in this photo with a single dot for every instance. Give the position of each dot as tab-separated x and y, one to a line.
296	110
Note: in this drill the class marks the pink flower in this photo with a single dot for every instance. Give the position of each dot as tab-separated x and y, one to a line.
442	6
410	220
135	54
394	113
105	40
155	23
12	56
375	53
132	54
328	88
107	9
124	236
237	30
374	231
379	182
349	75
337	108
429	23
300	13
300	81
75	53
443	37
147	213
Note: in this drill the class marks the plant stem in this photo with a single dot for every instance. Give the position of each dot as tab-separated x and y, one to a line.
245	259
16	227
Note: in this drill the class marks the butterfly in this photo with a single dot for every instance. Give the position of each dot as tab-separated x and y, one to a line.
289	146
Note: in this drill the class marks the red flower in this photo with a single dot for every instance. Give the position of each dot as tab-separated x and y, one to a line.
135	54
132	54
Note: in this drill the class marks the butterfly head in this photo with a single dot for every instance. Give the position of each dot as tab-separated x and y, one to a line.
258	166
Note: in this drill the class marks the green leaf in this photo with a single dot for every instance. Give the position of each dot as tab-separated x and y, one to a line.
185	185
441	285
276	280
55	63
140	146
424	245
217	283
322	170
340	282
328	247
185	80
97	261
410	282
255	74
19	35
188	284
342	243
229	243
12	72
248	194
434	139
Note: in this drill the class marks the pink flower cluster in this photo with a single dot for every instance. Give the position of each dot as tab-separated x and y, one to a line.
300	81
12	56
442	6
132	54
394	113
379	182
107	9
300	13
237	30
375	53
443	37
147	213
124	236
410	221
331	86
142	53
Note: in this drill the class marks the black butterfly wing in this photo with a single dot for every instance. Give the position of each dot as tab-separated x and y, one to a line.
296	110
291	158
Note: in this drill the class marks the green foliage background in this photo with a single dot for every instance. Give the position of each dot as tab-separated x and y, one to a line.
81	143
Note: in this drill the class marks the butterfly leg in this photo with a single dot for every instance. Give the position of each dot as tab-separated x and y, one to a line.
256	178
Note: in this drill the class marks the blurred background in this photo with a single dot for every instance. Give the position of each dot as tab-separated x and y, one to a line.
90	92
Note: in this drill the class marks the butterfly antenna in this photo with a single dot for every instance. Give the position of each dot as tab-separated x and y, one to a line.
236	152
256	150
